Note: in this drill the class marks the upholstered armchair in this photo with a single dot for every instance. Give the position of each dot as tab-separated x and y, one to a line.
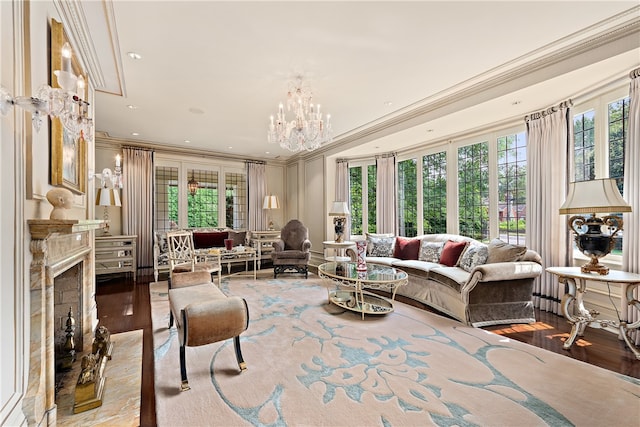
292	251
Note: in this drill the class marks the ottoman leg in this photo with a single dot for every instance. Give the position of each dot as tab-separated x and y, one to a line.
236	345
170	319
184	386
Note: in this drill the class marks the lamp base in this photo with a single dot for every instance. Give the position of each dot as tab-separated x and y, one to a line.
594	267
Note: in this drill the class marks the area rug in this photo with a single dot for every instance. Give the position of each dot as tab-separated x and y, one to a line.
311	363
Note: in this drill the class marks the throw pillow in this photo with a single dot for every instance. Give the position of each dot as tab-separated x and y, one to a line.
500	251
451	252
406	248
430	251
238	237
380	245
209	239
475	254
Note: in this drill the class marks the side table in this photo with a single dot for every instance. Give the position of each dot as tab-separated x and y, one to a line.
576	282
262	242
338	250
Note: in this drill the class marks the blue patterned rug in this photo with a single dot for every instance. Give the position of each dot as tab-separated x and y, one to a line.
311	363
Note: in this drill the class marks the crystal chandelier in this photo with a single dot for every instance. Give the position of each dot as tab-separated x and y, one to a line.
65	103
307	131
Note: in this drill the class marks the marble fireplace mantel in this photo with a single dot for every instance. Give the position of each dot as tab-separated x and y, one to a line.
56	246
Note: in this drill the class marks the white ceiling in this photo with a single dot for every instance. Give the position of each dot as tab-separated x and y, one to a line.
213	72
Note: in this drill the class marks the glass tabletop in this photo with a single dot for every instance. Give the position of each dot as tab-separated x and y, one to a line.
374	273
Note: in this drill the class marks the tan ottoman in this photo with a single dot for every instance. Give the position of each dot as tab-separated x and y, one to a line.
205	315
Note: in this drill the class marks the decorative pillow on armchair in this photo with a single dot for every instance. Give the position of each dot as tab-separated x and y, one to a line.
430	251
475	254
380	245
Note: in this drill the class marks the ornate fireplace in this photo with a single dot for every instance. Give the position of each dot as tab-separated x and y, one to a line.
62	275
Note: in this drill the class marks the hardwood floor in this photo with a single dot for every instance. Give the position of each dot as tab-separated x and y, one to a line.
123	305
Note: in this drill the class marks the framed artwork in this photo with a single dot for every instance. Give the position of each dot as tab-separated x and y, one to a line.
68	165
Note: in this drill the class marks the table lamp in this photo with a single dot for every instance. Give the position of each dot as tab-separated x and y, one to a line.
107	196
339	211
271	202
589	197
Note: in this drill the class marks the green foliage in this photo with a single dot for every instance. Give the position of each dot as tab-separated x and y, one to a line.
513	226
407	198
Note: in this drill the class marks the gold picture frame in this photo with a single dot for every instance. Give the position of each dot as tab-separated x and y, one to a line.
68	165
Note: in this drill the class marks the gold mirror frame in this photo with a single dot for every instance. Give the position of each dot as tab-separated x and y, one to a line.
73	174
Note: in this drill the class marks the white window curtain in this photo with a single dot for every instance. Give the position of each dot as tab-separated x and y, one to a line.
386	193
548	138
257	183
137	203
631	243
343	192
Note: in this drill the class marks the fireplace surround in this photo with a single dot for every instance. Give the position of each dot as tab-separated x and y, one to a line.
57	246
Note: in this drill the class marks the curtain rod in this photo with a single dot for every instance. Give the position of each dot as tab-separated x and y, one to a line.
539	114
257	162
131	147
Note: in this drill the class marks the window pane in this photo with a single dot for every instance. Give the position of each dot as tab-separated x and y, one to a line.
355	190
235	200
166	198
473	191
372	179
584	146
512	180
434	190
407	198
202	207
618	118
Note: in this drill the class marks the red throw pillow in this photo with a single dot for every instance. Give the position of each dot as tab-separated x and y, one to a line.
406	248
451	252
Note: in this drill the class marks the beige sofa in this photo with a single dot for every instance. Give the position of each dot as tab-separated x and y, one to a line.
479	290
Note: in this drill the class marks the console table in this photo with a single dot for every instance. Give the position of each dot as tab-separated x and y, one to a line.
262	242
577	286
116	254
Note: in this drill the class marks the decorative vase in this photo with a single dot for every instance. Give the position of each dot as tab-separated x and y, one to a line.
228	244
361	251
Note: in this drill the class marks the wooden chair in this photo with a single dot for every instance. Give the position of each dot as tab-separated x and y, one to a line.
183	257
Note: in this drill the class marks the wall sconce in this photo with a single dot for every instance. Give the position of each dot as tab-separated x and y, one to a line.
598	195
271	202
65	103
192	185
340	212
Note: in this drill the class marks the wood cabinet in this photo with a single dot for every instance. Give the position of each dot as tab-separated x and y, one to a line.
116	254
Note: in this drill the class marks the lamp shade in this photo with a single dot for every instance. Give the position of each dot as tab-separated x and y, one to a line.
339	209
108	197
271	202
597	195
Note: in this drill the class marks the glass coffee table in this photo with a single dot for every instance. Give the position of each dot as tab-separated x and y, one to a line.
345	286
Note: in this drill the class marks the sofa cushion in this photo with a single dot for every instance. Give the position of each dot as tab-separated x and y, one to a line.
415	267
384	260
475	254
406	248
430	251
453	277
451	252
209	239
500	251
380	245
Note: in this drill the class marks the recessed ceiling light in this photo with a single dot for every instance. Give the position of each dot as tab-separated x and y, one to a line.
134	55
267	152
388	103
135	133
132	107
230	148
187	141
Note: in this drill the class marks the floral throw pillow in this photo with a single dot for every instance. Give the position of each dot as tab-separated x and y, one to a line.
430	251
380	246
474	255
